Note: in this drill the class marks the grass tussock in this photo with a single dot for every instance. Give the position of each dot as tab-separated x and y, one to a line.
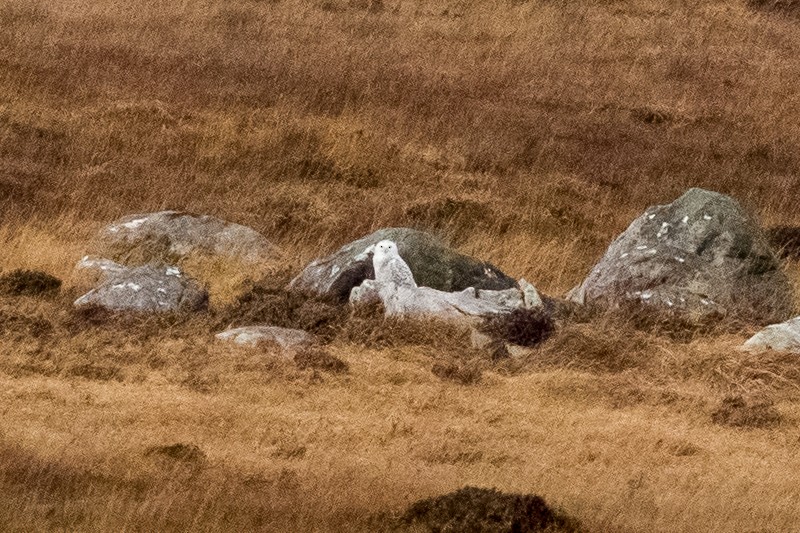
599	347
486	510
464	372
319	359
740	412
523	327
28	283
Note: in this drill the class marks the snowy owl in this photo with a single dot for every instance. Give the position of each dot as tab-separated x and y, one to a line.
390	267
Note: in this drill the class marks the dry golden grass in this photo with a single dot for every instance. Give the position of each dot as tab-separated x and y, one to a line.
528	133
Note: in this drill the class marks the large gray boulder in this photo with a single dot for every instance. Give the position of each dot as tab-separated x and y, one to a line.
432	263
169	236
147	288
699	257
783	337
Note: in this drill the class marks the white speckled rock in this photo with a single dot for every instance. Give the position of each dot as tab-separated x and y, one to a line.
171	235
701	256
252	336
784	337
147	288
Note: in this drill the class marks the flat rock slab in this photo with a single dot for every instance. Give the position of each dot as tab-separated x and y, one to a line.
783	337
432	264
469	305
147	288
699	257
169	236
253	336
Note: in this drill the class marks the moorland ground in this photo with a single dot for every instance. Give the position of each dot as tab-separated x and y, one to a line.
527	133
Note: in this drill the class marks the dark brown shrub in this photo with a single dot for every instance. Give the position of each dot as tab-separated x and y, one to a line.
319	359
741	412
28	283
524	327
473	509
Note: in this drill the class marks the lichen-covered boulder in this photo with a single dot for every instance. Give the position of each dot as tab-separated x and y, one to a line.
148	288
170	236
432	263
783	337
701	256
252	336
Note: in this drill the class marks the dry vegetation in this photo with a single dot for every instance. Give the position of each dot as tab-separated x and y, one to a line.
526	132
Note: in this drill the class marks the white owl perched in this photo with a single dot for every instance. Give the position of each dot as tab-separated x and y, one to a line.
390	267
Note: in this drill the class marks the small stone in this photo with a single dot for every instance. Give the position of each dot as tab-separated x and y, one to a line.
253	336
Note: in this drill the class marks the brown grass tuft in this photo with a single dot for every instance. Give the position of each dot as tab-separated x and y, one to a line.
486	510
464	372
741	412
785	7
93	371
188	453
523	327
786	240
28	283
599	346
320	359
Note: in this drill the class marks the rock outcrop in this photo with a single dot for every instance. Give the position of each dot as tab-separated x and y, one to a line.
783	337
169	236
432	264
147	288
701	256
396	288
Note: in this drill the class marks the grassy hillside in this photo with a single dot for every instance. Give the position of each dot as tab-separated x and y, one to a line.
527	133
